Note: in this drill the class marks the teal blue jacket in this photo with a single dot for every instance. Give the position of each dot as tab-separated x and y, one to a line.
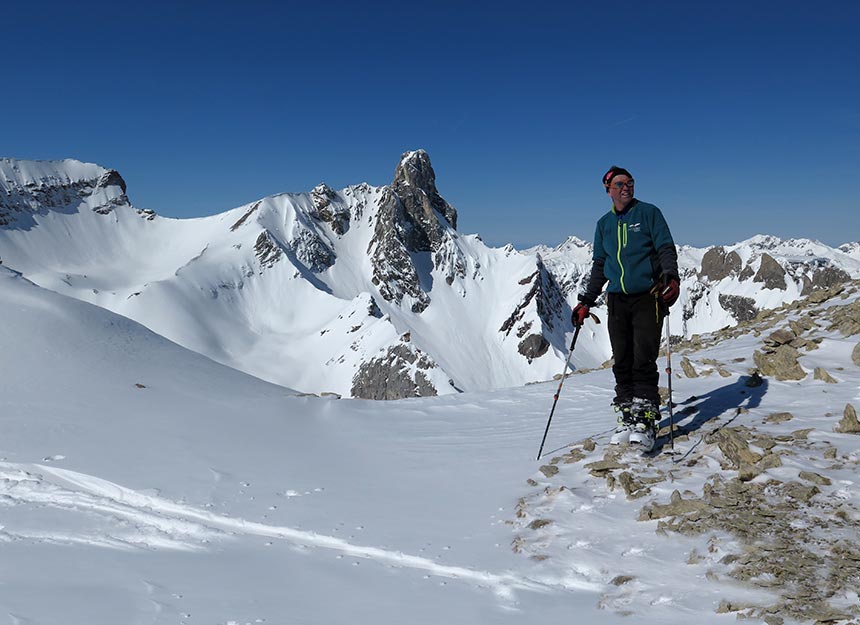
632	250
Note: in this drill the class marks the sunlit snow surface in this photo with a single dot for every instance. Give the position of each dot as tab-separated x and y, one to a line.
142	483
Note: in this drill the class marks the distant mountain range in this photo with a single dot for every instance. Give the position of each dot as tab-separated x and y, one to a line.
367	292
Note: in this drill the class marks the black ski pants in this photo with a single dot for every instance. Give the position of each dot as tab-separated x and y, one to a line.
635	323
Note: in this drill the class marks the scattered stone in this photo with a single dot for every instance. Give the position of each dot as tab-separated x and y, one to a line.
518	544
734	447
602	467
779	417
747	472
531	482
548	470
632	487
764	441
800	492
769	461
821	374
620	580
780	362
831	617
676	507
522	507
848	424
815	478
799	326
780	337
539	523
801	435
855	355
688	368
574	455
816	297
727	606
589	445
846	319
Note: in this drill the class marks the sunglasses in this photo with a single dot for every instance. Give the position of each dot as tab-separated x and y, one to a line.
620	185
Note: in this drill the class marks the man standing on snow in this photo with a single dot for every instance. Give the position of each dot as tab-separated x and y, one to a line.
634	251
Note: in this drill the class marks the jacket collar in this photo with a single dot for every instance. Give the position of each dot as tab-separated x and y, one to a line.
630	206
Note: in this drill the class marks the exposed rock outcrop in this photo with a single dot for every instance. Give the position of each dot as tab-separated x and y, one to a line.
413	218
267	249
399	373
310	249
336	214
20	201
770	273
551	306
741	308
533	346
717	264
824	278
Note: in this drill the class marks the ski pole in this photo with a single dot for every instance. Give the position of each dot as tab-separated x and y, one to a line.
669	373
561	382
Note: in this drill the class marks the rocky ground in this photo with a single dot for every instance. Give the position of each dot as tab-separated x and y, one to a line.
765	501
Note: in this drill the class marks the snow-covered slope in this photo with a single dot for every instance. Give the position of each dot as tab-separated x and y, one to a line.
142	483
367	291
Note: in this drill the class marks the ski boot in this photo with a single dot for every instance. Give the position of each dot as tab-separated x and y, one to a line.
625	426
645	415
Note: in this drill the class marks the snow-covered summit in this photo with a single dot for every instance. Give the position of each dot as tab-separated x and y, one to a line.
30	187
15	173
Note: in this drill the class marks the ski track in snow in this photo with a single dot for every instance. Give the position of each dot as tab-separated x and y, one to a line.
133	520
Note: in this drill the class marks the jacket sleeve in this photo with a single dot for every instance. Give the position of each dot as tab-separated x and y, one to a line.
668	256
664	244
595	283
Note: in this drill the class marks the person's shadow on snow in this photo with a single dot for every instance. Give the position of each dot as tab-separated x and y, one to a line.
746	392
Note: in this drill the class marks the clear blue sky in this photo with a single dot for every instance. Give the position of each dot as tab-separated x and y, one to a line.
736	118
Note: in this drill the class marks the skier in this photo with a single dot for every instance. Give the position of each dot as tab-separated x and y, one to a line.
635	253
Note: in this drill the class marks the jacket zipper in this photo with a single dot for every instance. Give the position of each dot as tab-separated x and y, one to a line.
622	242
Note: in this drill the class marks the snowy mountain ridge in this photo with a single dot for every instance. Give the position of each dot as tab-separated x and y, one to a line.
361	291
367	291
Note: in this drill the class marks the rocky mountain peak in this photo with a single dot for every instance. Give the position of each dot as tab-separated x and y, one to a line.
36	187
415	184
413	218
112	178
